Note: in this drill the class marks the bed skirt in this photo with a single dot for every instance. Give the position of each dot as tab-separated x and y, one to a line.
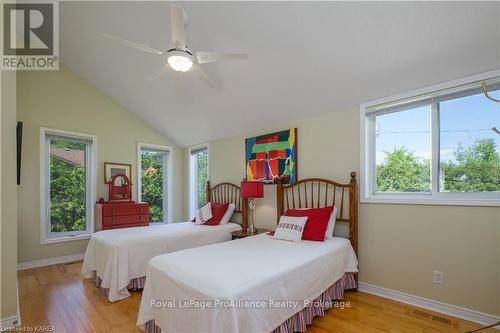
299	321
134	284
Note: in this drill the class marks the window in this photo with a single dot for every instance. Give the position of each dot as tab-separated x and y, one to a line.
198	177
439	146
67	185
402	142
154	181
469	148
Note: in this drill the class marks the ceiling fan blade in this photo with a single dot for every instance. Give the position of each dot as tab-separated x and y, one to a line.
177	26
204	76
203	57
134	45
163	70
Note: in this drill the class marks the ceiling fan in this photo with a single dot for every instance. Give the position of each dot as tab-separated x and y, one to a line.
180	58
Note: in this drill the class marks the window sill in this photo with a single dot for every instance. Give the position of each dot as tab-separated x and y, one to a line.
440	201
64	239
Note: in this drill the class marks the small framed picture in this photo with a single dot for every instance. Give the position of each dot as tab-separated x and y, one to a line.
112	169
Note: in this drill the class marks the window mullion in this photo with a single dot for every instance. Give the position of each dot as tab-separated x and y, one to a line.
47	188
371	155
197	180
88	188
165	189
434	147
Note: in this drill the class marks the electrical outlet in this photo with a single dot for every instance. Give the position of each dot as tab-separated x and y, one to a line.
438	277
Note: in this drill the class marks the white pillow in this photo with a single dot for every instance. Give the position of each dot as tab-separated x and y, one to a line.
227	215
290	228
331	224
204	214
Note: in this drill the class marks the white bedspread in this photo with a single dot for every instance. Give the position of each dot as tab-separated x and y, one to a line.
122	254
256	268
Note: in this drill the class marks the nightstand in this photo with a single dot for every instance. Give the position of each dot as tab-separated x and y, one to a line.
244	233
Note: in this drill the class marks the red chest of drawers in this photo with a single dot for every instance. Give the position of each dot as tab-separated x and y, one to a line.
121	215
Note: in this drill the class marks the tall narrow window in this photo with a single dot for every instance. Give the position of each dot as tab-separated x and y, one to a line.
154	185
198	177
67	185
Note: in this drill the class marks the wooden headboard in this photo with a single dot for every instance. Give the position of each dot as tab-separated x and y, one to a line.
318	193
229	193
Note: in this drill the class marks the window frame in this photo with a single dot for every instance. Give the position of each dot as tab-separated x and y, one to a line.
168	215
192	200
367	148
47	237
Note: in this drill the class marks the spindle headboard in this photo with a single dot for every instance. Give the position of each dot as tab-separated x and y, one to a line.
317	193
229	193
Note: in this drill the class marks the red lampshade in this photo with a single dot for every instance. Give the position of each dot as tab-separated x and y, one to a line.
251	190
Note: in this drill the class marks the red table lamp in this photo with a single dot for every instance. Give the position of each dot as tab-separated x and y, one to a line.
252	190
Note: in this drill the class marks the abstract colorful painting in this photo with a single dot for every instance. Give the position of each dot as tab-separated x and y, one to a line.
272	155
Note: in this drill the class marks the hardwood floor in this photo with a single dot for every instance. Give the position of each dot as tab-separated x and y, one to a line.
58	296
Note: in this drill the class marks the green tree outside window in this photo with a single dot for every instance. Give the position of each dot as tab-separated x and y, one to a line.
152	183
202	173
476	168
67	180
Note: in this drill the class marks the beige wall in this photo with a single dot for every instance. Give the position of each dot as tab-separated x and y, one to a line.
8	226
399	245
59	99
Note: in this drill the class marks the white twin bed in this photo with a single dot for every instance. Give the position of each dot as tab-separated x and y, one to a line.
256	268
118	259
121	255
256	284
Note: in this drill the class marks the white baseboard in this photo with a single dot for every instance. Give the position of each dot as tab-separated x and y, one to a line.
9	322
426	303
50	261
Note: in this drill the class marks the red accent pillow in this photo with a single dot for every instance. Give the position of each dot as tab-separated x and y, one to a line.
316	223
218	211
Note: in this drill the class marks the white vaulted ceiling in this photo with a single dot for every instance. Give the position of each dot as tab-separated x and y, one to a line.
304	58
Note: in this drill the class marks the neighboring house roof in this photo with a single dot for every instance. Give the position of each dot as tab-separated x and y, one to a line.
75	157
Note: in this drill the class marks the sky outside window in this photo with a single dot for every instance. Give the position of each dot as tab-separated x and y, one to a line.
409	129
465	120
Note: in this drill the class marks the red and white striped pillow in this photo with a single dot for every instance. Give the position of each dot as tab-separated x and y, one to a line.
204	214
290	228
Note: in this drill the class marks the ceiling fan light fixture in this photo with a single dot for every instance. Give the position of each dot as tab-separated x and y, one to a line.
180	61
